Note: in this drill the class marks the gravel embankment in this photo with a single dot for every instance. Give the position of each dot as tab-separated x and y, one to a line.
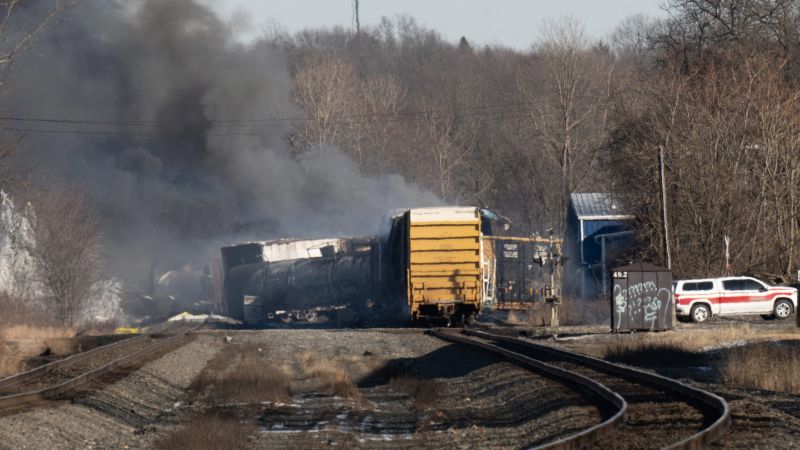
448	396
121	415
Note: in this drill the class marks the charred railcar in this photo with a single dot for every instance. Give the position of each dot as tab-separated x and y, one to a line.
433	264
336	275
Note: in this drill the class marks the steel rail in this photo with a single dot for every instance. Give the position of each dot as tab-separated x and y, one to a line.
708	400
14	380
585	437
39	395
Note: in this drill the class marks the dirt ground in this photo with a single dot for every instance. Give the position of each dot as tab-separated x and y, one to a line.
383	388
399	389
362	389
697	354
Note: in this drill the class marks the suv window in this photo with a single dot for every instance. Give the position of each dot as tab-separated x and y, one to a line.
741	285
698	286
731	285
752	285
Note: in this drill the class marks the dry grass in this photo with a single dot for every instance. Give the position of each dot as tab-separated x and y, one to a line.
20	332
646	353
570	312
330	378
18	343
691	348
424	393
210	431
253	382
10	362
699	340
673	348
764	365
243	374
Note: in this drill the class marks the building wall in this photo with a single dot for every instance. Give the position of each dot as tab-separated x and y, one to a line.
583	274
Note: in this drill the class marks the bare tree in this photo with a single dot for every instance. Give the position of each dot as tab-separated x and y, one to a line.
567	103
730	131
444	154
66	251
17	33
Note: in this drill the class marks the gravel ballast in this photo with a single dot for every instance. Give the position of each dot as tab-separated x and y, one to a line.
121	415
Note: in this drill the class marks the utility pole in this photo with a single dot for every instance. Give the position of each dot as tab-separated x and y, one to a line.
664	219
356	18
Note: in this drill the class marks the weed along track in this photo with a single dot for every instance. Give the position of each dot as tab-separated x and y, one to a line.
659	412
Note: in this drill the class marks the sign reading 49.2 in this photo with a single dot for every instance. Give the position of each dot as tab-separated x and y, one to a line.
620	275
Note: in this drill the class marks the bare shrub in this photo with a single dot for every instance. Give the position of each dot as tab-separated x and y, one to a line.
243	375
424	393
210	431
66	251
765	365
330	378
15	41
253	382
16	311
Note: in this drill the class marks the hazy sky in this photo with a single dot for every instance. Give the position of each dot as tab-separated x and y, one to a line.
512	23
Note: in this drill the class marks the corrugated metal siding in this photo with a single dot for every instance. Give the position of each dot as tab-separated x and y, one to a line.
596	204
444	259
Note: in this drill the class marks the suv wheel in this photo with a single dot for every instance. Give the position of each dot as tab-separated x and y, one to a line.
700	313
782	309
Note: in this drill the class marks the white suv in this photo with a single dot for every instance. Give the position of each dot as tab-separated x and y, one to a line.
700	299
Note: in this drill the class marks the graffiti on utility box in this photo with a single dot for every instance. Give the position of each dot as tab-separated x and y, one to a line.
642	298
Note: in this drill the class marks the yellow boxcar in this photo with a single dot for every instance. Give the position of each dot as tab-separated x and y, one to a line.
444	273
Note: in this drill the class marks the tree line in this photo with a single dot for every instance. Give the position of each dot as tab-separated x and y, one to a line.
715	84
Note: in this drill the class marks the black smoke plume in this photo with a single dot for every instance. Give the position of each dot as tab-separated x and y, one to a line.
168	134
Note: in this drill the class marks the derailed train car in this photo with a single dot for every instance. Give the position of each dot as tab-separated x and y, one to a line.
299	279
432	266
436	262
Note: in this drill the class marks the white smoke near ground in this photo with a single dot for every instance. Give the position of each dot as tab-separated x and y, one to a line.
16	264
180	138
19	273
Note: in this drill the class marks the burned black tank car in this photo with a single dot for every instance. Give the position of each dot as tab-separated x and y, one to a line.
307	280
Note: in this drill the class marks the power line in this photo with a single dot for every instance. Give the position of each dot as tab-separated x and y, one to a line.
507	114
275	119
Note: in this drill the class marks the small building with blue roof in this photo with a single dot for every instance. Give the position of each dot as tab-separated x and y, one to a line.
598	229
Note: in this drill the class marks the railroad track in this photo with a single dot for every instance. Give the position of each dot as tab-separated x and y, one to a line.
644	410
59	378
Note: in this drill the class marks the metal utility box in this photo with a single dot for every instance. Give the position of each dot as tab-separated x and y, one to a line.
641	298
